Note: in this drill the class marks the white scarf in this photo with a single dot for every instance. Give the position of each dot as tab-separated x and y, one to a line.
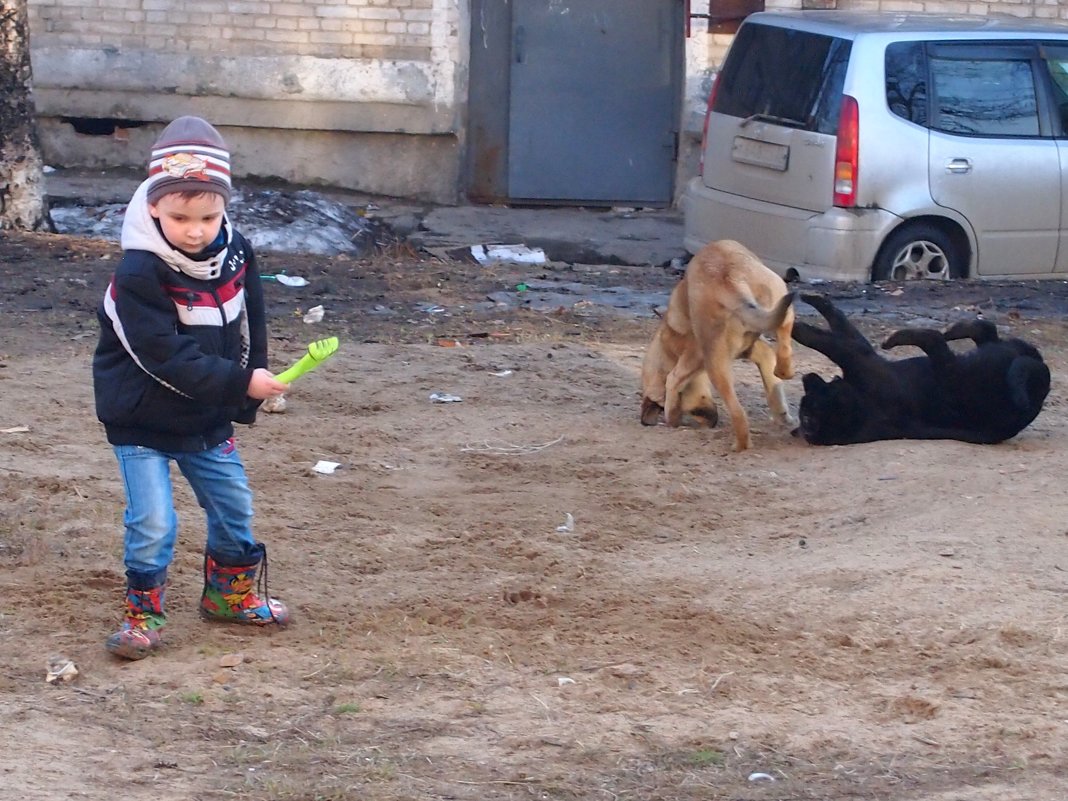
139	232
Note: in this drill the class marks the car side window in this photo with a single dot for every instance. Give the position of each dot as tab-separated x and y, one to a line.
906	81
983	91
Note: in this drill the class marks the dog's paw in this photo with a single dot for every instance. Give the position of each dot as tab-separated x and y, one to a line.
789	420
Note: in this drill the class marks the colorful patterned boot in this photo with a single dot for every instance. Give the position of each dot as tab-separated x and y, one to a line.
140	633
230	594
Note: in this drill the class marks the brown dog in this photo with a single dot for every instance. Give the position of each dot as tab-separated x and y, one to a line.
716	314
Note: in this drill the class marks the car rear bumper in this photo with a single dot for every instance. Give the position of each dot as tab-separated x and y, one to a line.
837	245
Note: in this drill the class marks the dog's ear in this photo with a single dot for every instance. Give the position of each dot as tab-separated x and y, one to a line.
812	299
812	382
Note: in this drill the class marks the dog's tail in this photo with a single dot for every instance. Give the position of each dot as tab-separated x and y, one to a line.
757	318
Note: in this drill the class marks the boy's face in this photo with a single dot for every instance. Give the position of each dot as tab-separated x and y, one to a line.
190	222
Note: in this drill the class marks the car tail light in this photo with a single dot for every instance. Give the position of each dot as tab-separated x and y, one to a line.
704	134
846	154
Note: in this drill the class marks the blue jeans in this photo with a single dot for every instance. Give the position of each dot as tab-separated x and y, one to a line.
217	477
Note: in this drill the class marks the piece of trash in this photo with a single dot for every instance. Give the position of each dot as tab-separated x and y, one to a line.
291	280
60	669
449	343
231	660
325	467
520	254
15	430
521	287
568	525
502	373
314	314
562	680
288	280
761	777
444	397
276	404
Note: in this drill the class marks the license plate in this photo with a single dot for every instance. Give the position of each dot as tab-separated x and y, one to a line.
762	154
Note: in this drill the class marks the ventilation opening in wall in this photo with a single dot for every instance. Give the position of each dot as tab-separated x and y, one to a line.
104	126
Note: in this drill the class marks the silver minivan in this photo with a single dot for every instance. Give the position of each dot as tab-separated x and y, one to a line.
855	146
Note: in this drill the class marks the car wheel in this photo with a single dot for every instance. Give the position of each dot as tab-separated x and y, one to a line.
918	251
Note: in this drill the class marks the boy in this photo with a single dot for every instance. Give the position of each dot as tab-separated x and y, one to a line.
182	355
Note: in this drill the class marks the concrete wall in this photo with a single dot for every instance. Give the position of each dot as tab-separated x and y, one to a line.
374	86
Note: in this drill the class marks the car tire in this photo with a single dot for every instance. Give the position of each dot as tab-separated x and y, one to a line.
918	251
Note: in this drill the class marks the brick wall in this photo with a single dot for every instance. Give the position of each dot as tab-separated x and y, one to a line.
371	29
402	52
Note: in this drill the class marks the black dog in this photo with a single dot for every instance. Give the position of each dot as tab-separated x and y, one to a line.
985	395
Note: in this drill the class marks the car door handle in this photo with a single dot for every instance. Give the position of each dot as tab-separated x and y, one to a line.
959	166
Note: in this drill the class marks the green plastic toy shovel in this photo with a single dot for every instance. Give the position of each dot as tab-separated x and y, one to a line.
318	352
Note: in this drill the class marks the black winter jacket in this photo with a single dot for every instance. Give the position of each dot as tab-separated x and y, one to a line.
176	353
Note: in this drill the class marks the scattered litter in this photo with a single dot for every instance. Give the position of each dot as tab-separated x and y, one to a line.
502	373
549	295
290	280
314	314
60	669
507	447
15	430
562	680
568	524
761	777
274	405
444	397
449	343
431	308
325	467
282	278
519	254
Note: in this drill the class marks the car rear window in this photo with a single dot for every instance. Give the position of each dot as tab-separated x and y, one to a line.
788	77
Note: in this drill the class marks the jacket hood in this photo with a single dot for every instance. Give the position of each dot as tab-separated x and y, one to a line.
139	232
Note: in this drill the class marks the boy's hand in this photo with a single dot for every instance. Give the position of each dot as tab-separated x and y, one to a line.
264	385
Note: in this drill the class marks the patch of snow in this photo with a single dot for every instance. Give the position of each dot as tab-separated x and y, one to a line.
293	222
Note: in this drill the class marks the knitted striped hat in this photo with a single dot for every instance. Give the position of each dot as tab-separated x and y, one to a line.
190	155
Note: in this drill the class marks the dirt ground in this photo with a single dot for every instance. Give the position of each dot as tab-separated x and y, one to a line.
883	621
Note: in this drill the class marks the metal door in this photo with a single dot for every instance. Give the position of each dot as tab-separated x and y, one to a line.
593	105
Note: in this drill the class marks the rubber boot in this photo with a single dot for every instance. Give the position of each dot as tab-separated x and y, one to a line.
141	630
230	594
